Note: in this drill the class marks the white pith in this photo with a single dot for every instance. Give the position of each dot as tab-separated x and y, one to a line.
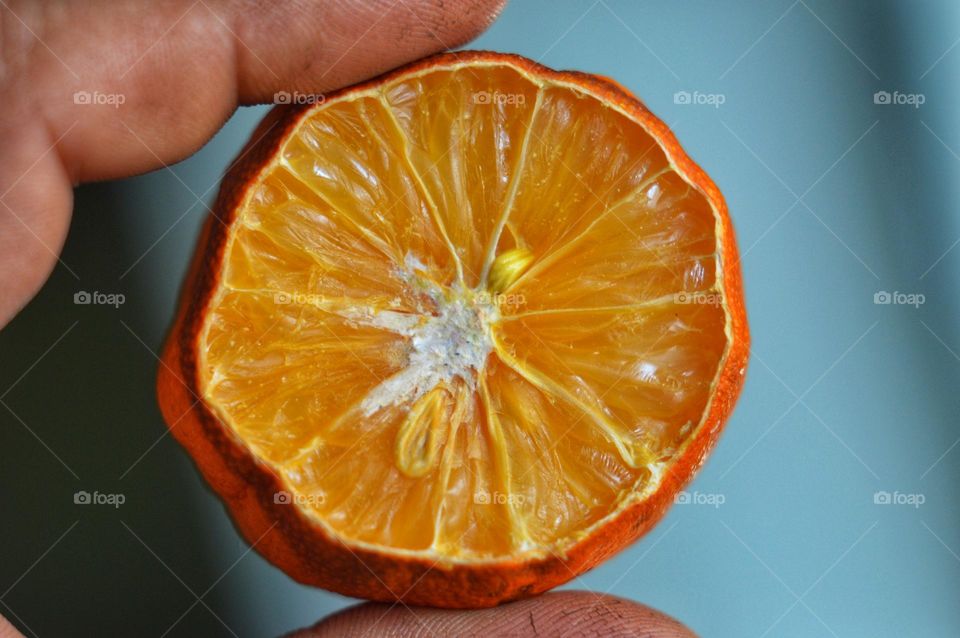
452	340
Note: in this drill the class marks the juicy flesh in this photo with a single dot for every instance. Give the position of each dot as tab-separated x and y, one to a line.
468	314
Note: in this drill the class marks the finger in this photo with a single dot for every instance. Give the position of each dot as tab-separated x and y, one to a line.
102	90
167	83
35	202
567	613
7	630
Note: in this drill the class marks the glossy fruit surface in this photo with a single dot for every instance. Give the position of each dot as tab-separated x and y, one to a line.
457	334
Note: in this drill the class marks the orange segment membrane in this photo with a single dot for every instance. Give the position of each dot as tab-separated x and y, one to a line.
468	314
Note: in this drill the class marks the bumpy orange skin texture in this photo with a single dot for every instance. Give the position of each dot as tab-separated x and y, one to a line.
293	542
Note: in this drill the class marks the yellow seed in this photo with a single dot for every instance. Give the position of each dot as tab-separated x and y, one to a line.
508	267
422	434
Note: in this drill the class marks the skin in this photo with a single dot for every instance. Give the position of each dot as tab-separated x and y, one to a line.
182	68
564	613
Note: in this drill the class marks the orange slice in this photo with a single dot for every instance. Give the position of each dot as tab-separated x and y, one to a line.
457	334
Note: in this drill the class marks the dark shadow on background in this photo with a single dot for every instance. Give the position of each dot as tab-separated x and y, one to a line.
67	568
919	213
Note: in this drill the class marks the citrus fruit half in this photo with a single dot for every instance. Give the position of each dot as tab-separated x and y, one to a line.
455	335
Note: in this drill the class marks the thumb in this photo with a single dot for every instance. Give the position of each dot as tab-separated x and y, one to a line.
102	90
7	630
565	613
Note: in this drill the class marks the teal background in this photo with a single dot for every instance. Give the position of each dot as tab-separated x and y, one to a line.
834	199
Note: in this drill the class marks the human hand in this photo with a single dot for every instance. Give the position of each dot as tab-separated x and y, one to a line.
160	79
95	91
562	613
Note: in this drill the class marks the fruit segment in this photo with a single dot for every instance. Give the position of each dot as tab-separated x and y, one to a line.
351	157
467	314
279	371
641	373
467	144
582	159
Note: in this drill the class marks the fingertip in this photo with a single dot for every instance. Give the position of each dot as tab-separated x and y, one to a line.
7	630
566	613
339	43
35	202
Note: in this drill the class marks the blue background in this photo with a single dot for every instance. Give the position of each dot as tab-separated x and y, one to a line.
834	198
